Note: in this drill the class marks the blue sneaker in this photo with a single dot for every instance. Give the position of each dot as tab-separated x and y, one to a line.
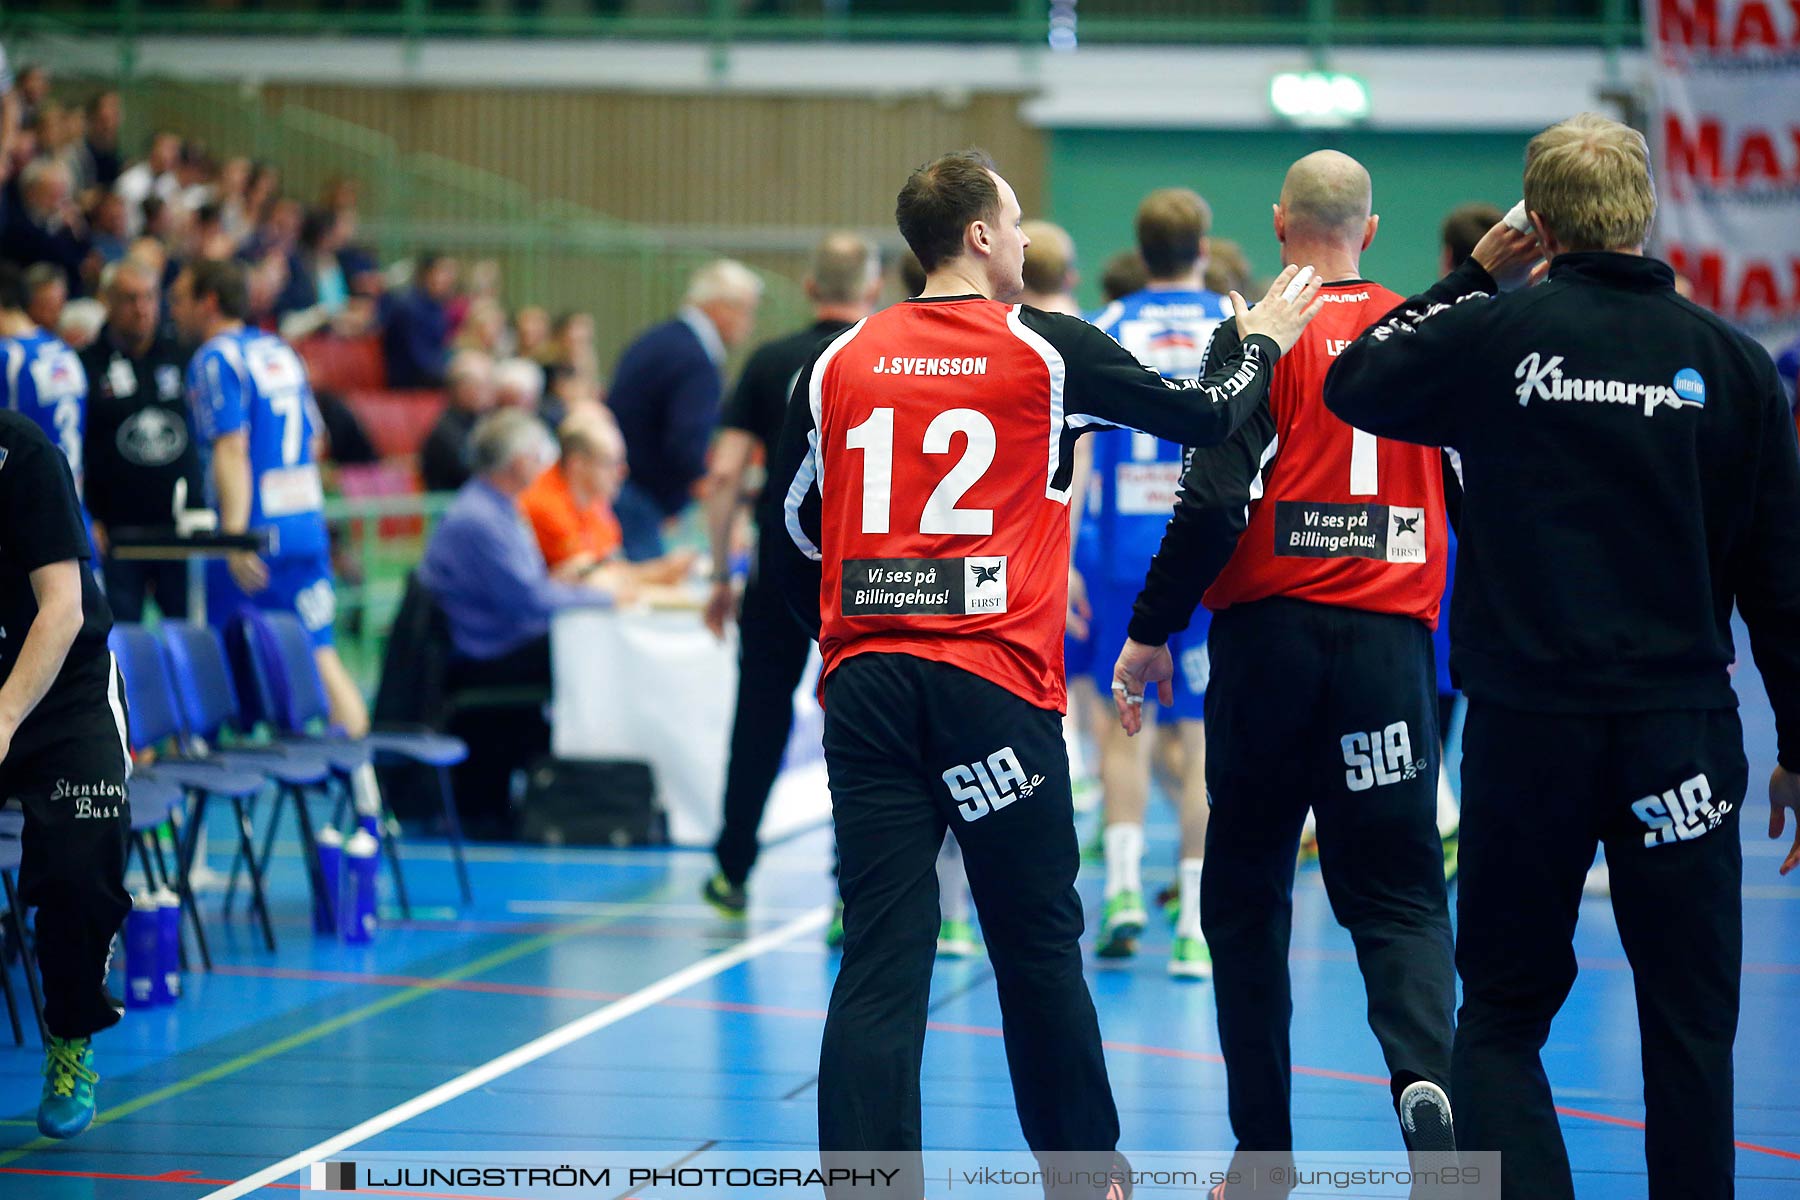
67	1106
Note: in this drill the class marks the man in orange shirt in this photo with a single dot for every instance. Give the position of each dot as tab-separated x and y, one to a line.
570	508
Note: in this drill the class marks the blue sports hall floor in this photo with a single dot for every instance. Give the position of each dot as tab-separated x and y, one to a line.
698	1040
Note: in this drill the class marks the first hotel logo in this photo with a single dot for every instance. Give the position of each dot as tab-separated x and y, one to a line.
333	1177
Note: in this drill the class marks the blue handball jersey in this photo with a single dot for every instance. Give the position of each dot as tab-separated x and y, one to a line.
41	378
1135	475
252	381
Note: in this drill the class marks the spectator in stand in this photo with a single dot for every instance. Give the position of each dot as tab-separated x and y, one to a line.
99	163
207	236
110	227
317	293
415	337
62	132
483	327
572	351
265	278
153	176
197	173
666	394
260	191
572	395
362	271
232	197
519	383
158	220
1227	268
1125	273
486	573
444	461
137	445
33	89
532	336
46	291
1465	225
279	233
42	223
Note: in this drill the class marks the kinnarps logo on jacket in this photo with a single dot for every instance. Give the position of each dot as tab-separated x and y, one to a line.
1543	379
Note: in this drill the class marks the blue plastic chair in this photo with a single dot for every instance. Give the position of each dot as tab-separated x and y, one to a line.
277	658
201	675
155	720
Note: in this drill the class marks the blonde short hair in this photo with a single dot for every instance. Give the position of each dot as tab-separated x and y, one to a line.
1589	178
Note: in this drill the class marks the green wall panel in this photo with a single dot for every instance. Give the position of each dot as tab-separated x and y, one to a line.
1097	176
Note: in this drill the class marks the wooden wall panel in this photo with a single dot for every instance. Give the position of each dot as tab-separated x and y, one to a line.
709	161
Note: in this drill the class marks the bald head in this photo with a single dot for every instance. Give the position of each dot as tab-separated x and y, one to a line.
1326	195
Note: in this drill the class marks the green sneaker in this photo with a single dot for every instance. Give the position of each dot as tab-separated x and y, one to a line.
727	898
834	932
1121	920
1094	849
1190	959
67	1106
956	939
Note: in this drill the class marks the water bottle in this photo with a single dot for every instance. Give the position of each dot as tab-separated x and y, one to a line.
365	795
143	961
168	944
331	871
356	899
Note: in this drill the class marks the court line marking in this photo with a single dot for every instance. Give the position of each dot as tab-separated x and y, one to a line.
539	1047
323	1029
987	1031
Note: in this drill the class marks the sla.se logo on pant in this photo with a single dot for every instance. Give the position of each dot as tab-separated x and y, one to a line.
1681	814
1380	757
984	787
333	1177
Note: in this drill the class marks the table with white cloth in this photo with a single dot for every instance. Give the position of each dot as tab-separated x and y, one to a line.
653	685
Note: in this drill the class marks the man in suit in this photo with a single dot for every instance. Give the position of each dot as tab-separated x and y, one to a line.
666	394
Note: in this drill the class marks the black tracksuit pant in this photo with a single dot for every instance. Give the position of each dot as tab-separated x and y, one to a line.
772	651
70	780
1661	792
913	747
1333	709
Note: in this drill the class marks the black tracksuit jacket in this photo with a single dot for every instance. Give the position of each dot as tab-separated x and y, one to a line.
1629	473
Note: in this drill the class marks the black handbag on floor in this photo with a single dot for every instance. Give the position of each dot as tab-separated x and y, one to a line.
592	803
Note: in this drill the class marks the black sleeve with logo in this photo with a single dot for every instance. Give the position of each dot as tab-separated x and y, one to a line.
1210	515
43	525
1630	472
1400	378
1105	387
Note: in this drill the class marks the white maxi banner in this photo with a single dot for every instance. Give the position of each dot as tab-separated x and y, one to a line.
1727	134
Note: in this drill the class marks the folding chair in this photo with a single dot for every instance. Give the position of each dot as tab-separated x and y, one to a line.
278	659
210	712
154	721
